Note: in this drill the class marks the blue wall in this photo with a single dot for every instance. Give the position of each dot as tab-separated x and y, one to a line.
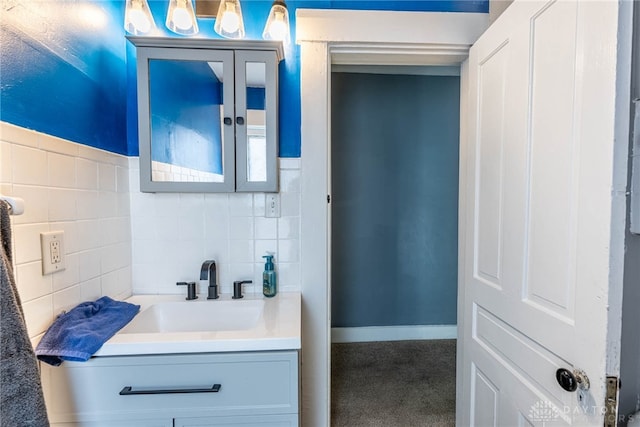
67	77
62	70
394	199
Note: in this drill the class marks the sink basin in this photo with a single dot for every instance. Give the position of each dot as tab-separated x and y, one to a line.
167	324
197	316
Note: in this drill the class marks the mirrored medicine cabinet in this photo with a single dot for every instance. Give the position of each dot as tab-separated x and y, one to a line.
207	114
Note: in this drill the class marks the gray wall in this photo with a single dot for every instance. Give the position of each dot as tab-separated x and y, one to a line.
496	7
630	350
394	200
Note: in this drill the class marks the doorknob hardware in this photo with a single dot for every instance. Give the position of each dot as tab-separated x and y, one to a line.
566	380
240	120
571	381
228	121
582	379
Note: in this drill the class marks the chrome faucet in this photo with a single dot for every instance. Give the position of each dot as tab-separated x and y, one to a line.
208	271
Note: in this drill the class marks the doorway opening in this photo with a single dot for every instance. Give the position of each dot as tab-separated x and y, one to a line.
394	233
327	39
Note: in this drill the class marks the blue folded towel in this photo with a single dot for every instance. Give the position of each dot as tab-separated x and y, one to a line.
79	333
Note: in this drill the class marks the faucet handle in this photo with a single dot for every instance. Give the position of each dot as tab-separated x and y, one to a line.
237	288
191	289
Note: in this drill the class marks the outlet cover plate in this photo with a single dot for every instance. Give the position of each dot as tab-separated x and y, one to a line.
272	205
52	246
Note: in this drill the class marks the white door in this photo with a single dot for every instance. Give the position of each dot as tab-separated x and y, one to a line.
539	283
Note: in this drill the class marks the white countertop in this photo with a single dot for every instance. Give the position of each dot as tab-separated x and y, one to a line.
278	329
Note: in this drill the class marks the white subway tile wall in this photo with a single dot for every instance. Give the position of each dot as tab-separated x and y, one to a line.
174	233
120	241
81	190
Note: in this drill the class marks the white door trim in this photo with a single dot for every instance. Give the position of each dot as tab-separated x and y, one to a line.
462	221
353	38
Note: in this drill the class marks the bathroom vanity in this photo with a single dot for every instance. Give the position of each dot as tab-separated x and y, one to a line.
188	377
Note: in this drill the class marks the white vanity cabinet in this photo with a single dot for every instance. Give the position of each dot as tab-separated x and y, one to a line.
255	388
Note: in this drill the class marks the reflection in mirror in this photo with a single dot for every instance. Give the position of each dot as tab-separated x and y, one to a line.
256	122
186	100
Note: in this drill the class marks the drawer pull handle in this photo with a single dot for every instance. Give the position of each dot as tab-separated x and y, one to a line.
128	390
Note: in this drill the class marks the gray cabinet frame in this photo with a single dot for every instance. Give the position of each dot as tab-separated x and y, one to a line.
234	55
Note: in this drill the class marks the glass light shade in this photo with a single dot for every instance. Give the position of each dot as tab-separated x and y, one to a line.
277	27
137	17
181	19
229	22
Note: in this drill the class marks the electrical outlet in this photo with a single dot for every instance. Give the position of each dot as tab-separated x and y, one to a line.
52	245
55	252
272	205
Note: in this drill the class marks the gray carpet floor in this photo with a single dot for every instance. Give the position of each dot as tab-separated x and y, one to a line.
394	383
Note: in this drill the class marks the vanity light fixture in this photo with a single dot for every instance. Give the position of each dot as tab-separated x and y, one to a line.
229	21
277	27
137	17
181	19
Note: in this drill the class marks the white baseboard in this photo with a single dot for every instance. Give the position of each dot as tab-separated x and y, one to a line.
394	333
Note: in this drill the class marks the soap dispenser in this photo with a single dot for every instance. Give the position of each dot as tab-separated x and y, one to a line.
269	278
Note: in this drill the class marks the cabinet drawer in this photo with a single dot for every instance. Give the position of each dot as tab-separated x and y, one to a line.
250	383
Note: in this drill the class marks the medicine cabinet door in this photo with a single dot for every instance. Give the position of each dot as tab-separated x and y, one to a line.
186	120
256	121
